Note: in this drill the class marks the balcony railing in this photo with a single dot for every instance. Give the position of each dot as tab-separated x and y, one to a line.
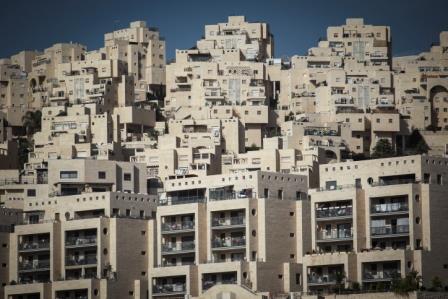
237	220
178	247
79	261
389	230
181	200
384	275
334	212
35	265
322	279
173	288
389	207
80	241
172	227
337	234
230	242
207	284
41	245
394	182
231	195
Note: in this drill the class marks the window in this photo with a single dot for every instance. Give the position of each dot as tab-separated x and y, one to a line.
31	192
298	279
68	174
101	174
127	176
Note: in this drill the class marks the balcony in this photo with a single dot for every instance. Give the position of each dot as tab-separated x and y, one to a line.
80	261
237	221
180	247
385	275
75	242
229	243
217	194
383	231
390	208
37	265
169	289
335	235
329	279
385	103
184	226
335	212
72	294
345	102
181	200
393	182
320	131
210	280
256	94
42	245
214	94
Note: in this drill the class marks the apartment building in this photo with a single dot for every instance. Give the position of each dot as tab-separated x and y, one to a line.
224	76
221	229
378	223
89	236
91	246
142	49
421	81
9	217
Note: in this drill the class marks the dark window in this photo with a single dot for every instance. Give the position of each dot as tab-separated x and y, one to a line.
127	176
101	174
31	192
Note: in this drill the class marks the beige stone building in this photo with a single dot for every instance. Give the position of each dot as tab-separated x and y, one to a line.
381	221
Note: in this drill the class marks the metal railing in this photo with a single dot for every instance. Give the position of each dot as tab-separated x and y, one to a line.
230	242
385	274
394	182
169	288
389	207
35	265
322	279
334	212
338	187
389	230
207	284
336	234
43	244
79	241
236	220
178	247
232	195
78	261
181	200
184	225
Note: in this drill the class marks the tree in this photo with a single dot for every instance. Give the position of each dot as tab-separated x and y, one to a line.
340	278
24	149
410	283
383	149
436	284
417	143
31	121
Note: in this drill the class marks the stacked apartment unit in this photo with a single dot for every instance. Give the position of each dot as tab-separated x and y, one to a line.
227	173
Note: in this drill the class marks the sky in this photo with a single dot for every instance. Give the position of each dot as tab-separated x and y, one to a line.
296	24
